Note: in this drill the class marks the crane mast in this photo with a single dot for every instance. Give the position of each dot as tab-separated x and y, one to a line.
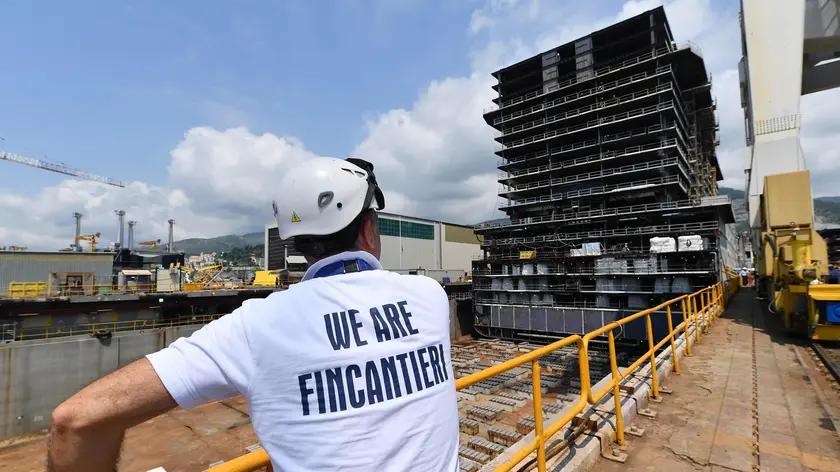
59	168
790	48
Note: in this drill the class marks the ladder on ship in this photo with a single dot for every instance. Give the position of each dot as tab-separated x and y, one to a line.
8	332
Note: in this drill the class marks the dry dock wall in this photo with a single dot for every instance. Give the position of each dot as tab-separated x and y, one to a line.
37	375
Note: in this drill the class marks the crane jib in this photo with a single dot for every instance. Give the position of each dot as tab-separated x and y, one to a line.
61	169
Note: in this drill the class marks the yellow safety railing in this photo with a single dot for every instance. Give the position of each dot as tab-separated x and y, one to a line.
699	310
26	290
49	332
710	301
30	290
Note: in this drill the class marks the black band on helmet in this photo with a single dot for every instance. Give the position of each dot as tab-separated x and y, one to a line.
373	192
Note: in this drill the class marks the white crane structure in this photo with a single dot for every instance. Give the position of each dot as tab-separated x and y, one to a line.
59	168
790	48
788	51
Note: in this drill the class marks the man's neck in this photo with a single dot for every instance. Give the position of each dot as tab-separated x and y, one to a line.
343	256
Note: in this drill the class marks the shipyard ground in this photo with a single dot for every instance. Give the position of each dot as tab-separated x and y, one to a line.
748	399
747	388
186	441
180	441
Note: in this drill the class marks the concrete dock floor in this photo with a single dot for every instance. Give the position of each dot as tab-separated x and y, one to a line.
730	410
749	399
180	441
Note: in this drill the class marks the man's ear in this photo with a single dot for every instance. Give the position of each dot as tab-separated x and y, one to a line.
367	232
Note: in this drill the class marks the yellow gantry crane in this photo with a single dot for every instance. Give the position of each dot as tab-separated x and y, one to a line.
150	244
91	239
203	276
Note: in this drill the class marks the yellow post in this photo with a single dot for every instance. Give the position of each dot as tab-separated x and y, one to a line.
538	414
712	302
685	317
693	302
619	419
676	366
652	352
715	298
709	307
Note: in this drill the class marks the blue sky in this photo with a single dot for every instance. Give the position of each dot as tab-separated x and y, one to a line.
203	105
111	87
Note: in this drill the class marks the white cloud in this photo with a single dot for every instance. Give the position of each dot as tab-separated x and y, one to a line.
434	158
221	182
479	22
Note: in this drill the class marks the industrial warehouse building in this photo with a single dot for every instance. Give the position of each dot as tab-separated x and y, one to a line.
30	266
409	244
609	179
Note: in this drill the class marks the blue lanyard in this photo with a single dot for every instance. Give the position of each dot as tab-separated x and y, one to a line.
343	267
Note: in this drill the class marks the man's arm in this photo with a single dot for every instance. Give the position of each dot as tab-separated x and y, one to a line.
87	429
213	364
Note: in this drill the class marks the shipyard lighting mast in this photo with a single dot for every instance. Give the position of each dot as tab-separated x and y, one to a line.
59	168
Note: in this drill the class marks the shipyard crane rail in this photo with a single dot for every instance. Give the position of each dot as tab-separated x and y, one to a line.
59	168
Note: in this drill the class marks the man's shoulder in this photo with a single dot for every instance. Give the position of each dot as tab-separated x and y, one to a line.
274	299
421	282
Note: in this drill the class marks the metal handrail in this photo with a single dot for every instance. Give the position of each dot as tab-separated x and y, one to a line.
586	109
41	290
589	124
597	190
712	300
584	93
598	157
562	254
575	178
585	214
48	332
505	161
590	269
640	230
596	73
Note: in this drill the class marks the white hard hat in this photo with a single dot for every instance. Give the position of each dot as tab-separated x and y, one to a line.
324	195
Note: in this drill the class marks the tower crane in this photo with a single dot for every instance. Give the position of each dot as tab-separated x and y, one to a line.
150	244
59	168
91	239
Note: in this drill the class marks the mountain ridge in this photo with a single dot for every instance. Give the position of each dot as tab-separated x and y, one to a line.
195	246
826	209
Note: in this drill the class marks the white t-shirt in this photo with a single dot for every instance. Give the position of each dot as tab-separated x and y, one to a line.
346	372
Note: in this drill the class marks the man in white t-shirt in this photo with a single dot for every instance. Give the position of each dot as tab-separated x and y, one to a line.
349	369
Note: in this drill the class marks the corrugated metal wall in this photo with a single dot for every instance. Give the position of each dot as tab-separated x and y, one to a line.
407	243
36	267
572	320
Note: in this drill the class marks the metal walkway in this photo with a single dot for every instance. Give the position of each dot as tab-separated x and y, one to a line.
745	401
